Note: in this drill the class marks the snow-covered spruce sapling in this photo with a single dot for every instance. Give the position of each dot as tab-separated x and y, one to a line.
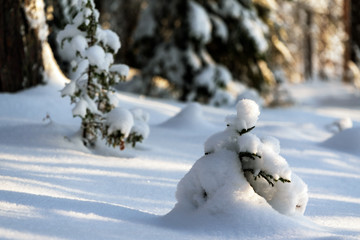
258	162
93	76
249	147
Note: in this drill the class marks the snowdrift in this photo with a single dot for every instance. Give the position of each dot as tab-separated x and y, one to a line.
347	140
52	187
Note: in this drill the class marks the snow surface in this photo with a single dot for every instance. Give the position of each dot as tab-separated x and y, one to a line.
52	187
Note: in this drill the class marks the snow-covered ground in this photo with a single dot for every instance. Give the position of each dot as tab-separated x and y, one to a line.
52	187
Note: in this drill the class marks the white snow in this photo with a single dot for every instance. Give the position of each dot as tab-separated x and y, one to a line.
206	78
255	28
220	28
97	57
121	69
79	44
231	8
80	75
347	140
248	113
109	38
52	187
120	119
190	118
200	24
221	98
69	89
35	14
80	108
290	197
340	125
193	58
141	119
213	75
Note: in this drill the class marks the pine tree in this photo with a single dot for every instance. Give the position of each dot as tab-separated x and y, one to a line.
238	170
94	75
241	40
59	14
249	147
260	161
170	42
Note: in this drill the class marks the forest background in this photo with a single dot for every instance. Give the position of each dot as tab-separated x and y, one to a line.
260	43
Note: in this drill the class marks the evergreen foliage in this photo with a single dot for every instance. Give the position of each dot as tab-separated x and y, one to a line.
240	169
241	40
245	156
94	74
261	165
170	42
198	46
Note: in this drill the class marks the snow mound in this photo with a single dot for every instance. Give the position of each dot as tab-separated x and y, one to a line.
189	118
340	125
215	191
347	140
35	135
215	183
241	177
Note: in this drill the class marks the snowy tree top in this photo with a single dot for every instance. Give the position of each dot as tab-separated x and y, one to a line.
247	115
248	111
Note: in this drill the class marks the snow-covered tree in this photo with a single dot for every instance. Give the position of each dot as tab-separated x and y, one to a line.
185	41
91	50
236	159
59	14
241	40
170	42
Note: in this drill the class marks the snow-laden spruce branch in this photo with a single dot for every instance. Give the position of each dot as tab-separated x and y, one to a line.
92	50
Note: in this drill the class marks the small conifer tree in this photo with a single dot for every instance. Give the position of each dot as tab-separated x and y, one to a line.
256	161
93	76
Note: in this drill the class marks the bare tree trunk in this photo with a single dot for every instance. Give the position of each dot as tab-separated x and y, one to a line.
20	48
347	51
121	16
355	31
308	46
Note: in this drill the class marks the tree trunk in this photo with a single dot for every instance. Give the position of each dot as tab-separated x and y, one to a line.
347	50
355	31
20	48
352	45
121	16
308	46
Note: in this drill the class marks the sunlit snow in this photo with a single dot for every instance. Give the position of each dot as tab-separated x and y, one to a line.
52	187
